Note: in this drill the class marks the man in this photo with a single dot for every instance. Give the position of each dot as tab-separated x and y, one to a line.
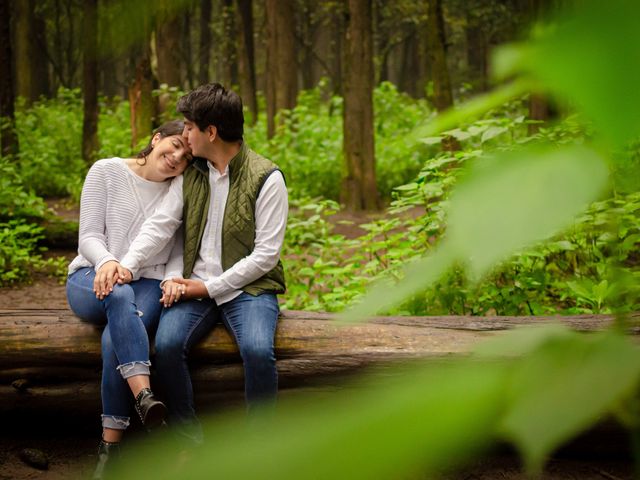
234	210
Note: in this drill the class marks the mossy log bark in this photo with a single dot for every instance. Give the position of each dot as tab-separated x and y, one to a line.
49	359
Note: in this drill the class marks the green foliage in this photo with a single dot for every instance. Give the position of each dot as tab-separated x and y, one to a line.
20	254
49	134
308	147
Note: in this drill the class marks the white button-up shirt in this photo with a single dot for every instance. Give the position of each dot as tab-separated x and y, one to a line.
271	219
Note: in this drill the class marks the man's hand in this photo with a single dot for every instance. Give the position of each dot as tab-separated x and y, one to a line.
171	292
105	278
190	289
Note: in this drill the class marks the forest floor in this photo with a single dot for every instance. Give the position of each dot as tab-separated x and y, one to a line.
71	450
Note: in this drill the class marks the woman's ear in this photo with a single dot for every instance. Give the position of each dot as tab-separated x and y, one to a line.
155	139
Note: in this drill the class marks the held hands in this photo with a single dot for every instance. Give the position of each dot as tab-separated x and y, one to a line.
182	289
106	277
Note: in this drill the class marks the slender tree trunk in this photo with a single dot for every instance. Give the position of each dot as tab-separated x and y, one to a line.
477	56
40	62
186	50
359	191
90	80
8	137
25	50
281	58
227	68
247	63
205	42
140	99
436	43
539	109
442	93
168	30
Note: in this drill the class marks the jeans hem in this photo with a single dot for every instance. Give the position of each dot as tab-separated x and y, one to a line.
134	368
115	422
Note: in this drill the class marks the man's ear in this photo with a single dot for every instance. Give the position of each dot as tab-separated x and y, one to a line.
213	132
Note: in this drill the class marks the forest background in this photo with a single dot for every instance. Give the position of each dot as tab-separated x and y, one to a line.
338	95
506	186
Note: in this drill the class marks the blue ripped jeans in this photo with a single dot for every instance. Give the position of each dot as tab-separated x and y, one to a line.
130	314
252	322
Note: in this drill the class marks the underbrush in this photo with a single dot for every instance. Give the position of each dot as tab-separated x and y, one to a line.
578	271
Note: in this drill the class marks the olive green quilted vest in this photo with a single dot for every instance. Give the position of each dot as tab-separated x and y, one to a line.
247	173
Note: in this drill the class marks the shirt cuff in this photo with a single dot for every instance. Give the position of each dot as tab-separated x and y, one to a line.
213	286
103	260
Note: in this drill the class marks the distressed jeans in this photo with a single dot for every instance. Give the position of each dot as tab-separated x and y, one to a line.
252	323
130	314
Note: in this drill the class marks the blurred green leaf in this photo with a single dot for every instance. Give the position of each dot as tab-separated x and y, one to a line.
390	427
520	198
568	384
591	57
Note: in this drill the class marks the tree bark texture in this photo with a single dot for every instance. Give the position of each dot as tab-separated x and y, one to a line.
141	103
204	47
281	68
49	359
247	58
90	81
168	28
442	93
8	137
437	52
26	51
359	190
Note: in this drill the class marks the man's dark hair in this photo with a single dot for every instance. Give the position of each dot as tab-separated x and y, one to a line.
212	104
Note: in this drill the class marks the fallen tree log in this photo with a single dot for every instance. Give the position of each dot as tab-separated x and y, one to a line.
50	359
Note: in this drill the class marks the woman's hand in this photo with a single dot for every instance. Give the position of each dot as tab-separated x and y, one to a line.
171	293
124	275
183	289
106	277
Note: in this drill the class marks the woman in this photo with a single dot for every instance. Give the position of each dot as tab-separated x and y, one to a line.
117	196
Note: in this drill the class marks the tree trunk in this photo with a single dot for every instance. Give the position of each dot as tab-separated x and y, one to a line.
281	68
189	72
477	56
140	91
437	50
205	42
359	191
51	360
26	52
227	68
539	109
168	28
442	93
247	60
8	137
90	81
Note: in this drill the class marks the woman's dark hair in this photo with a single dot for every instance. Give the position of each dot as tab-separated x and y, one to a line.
212	104
174	127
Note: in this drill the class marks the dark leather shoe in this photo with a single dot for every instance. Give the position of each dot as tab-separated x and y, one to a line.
151	410
107	453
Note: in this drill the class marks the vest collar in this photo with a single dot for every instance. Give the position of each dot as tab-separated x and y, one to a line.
200	163
237	161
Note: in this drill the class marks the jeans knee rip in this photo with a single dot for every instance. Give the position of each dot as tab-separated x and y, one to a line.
134	368
114	422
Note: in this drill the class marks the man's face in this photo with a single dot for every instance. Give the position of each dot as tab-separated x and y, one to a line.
197	140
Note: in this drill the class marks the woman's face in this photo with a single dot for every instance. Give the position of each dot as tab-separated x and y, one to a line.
170	155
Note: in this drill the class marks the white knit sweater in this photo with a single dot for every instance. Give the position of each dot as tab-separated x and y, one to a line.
115	203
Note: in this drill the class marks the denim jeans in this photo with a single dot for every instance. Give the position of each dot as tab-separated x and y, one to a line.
252	322
130	313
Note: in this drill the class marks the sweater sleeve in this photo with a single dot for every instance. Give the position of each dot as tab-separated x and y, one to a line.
157	230
92	241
